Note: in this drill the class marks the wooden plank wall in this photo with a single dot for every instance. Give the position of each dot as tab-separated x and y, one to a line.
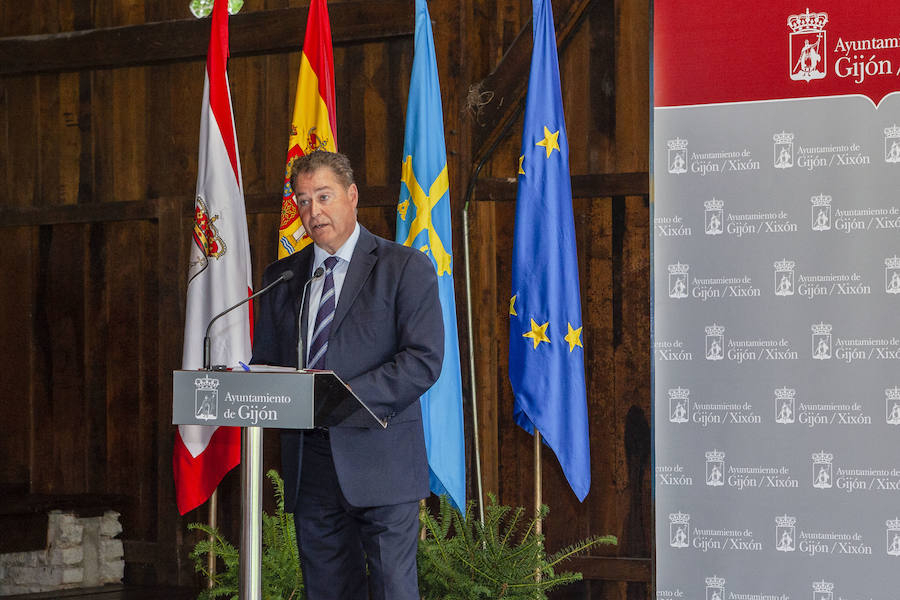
97	174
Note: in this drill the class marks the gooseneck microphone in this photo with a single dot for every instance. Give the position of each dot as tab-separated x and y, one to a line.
301	345
207	359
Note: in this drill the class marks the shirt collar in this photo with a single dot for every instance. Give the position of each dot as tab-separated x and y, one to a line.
344	253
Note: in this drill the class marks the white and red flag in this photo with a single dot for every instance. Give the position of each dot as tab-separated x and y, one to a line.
219	275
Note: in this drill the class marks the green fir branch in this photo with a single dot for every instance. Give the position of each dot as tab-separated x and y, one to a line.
459	558
495	560
281	576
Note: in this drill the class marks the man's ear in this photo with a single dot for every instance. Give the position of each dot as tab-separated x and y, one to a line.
353	193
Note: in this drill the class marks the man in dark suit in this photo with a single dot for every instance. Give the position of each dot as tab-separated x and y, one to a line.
374	318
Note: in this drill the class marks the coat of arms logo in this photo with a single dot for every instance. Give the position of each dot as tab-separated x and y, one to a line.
206	398
808	46
785	409
892	275
713	215
784	277
892	405
785	533
679	530
677	156
314	142
715	342
715	588
783	149
823	590
821	212
679	404
207	242
679	282
715	468
893	537
821	341
892	144
822	470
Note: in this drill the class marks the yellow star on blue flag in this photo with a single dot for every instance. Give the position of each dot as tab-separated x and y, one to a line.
537	333
548	378
550	141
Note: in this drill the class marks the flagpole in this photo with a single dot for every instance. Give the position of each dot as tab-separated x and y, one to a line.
472	387
538	491
538	480
213	521
250	580
470	191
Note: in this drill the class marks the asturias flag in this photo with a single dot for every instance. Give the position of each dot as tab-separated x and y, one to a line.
546	356
219	275
423	222
313	126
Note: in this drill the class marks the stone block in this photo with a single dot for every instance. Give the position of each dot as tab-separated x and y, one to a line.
23	575
110	525
67	556
34	576
112	572
73	575
63	530
81	552
111	550
49	577
20	559
91	544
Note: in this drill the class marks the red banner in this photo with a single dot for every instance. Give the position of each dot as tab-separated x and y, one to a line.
709	52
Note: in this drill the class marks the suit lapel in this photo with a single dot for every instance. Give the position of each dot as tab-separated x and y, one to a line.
301	264
361	264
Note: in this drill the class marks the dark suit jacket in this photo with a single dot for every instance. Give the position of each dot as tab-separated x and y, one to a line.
387	343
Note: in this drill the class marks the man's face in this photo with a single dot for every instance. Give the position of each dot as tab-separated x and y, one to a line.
327	209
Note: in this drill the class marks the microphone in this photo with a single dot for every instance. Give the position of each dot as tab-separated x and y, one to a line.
207	359
301	345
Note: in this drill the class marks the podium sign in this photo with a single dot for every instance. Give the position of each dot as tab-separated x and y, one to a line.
241	399
283	400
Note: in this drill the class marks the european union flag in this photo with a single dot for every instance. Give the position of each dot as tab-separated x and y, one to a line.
423	222
546	356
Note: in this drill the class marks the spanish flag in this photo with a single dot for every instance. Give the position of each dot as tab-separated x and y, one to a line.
313	124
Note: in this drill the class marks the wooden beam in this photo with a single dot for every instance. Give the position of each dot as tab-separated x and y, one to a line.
99	212
259	32
611	568
508	82
137	551
597	185
102	212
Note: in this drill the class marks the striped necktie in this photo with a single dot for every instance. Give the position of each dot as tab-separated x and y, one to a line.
324	317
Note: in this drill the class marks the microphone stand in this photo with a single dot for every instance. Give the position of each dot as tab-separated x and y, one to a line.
207	359
251	480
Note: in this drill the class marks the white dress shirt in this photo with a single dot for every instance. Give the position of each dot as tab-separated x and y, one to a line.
344	254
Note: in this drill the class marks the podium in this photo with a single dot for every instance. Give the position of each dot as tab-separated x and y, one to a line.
266	397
